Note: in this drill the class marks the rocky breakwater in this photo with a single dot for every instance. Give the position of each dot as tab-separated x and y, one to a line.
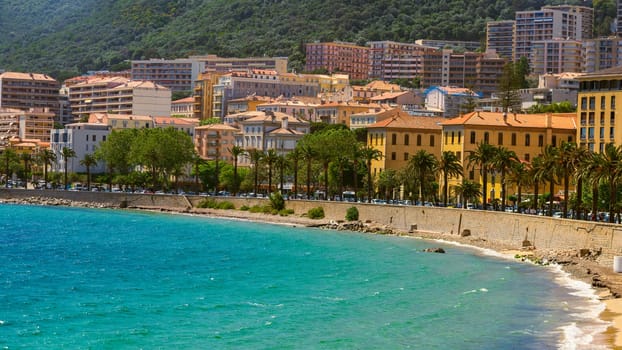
359	226
55	202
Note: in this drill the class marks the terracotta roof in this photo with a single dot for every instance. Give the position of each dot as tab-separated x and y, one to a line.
184	100
558	120
382	85
216	127
26	76
402	120
281	131
388	96
175	121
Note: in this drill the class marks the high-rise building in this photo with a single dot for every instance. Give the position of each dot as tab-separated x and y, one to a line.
338	57
556	56
500	37
546	24
601	53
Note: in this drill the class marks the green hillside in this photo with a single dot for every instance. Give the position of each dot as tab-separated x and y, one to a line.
66	37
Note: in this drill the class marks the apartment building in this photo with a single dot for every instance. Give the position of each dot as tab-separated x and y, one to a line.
454	44
600	122
83	139
448	101
29	90
500	37
587	17
183	107
32	124
180	74
556	56
214	141
601	53
341	57
400	136
267	130
391	60
340	112
302	109
546	24
119	95
246	104
185	125
525	134
373	88
203	95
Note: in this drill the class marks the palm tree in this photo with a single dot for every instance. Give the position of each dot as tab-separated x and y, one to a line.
482	157
47	157
236	152
270	157
9	156
421	164
550	171
608	169
281	164
67	153
503	161
294	156
27	159
369	154
256	156
468	191
581	161
308	154
449	166
88	161
519	175
566	163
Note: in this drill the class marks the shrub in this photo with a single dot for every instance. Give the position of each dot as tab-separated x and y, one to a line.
225	205
286	212
316	213
207	203
352	214
276	201
245	207
256	209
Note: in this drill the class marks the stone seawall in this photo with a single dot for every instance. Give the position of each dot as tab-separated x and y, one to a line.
509	229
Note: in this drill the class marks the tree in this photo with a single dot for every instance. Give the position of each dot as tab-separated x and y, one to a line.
9	158
88	161
67	153
449	166
503	161
293	158
469	191
256	156
236	152
519	175
369	154
482	157
607	169
307	152
270	157
47	157
421	164
509	84
27	159
566	163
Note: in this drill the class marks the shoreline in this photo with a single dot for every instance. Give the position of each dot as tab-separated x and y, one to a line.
605	284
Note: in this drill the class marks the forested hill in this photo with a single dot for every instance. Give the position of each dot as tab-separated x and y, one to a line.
65	37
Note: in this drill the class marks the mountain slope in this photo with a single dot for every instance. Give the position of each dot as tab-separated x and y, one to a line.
64	37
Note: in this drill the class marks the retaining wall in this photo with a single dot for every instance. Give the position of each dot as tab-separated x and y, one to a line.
506	228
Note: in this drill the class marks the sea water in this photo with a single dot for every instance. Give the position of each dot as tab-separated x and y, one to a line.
87	278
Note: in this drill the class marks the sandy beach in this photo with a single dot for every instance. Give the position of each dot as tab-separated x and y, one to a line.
607	284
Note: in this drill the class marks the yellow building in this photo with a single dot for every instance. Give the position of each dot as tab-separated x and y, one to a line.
525	134
204	94
401	136
246	104
596	110
122	121
340	112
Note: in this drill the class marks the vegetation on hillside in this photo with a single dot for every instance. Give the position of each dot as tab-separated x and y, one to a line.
66	37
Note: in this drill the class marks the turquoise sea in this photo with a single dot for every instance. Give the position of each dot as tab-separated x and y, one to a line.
109	279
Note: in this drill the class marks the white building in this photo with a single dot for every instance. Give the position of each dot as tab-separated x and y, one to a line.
448	100
82	138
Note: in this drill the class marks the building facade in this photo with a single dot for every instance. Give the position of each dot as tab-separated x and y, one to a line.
341	57
183	107
449	101
119	95
83	139
214	141
500	37
601	53
29	90
600	122
556	56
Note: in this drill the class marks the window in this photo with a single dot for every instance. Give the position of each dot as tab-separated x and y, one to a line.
472	137
446	137
94	138
452	137
592	103
459	136
418	140
602	118
471	174
405	155
554	140
527	157
611	132
432	140
602	102
87	137
540	140
570	136
584	103
486	137
527	140
590	133
602	132
393	156
500	139
393	139
613	102
513	139
406	139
